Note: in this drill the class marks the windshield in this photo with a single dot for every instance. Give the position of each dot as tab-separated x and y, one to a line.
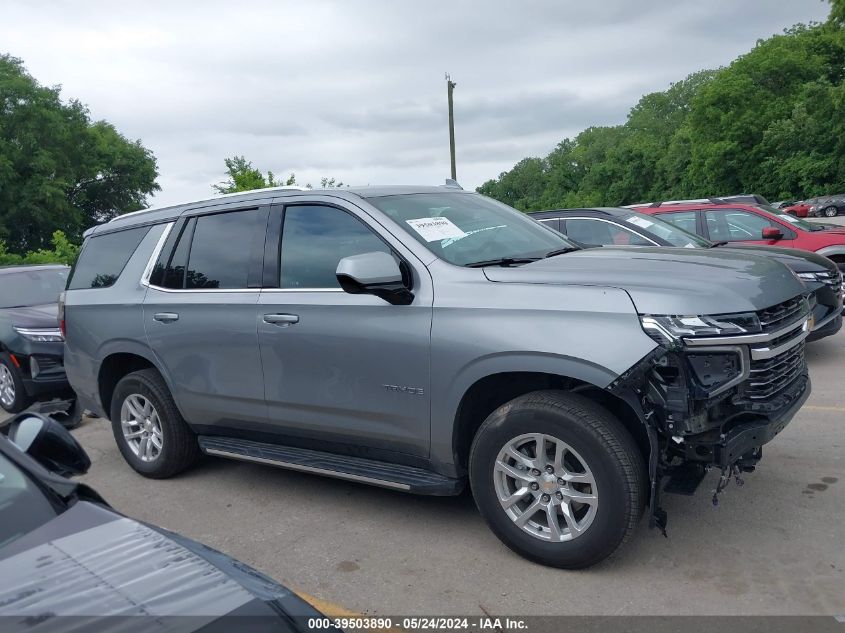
32	287
466	229
798	222
662	229
22	504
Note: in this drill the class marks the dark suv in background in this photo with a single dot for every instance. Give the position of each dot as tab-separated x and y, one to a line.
31	343
615	226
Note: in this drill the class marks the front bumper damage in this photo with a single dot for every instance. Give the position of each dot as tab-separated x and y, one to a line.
714	403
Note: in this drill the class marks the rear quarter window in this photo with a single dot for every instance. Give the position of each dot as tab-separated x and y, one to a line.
103	258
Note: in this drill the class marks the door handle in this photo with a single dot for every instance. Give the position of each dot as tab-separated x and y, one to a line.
281	319
166	317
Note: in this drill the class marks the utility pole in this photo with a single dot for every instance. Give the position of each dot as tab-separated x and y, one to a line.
450	86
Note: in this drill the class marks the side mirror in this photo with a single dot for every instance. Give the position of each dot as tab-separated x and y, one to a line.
375	273
772	233
49	443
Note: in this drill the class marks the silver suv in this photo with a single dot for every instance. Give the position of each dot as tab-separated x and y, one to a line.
423	338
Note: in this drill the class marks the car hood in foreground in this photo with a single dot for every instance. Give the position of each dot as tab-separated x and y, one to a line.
32	316
90	562
673	281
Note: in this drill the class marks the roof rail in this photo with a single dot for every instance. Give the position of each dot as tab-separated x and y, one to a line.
225	195
654	205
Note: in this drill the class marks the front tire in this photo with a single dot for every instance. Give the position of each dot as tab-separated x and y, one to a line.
150	432
557	478
13	397
831	212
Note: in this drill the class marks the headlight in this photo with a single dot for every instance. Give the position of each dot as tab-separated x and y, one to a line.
670	329
41	335
809	276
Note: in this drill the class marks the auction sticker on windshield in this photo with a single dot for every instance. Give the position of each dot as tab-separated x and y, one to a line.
435	229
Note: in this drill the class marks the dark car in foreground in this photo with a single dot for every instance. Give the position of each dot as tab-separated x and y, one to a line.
615	226
68	561
31	343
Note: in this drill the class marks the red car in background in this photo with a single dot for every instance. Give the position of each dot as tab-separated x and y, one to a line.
799	209
752	223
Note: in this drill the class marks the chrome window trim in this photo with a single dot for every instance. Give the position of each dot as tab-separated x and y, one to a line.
148	270
624	228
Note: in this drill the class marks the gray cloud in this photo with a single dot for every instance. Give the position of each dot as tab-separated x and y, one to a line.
356	90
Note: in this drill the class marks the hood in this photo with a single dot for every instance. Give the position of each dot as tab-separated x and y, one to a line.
90	561
660	280
798	260
33	316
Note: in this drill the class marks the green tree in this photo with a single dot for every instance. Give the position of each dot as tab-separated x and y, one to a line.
58	169
63	252
242	176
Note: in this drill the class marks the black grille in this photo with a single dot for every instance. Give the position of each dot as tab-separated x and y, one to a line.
770	376
783	314
832	280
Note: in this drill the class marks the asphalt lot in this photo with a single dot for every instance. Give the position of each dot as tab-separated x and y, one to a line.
774	546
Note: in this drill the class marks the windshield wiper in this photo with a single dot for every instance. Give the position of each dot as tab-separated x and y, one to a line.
561	251
502	261
715	244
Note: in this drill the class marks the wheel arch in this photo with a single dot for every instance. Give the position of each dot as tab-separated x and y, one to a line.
489	392
119	361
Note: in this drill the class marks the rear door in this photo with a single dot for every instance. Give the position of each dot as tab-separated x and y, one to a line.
200	316
342	369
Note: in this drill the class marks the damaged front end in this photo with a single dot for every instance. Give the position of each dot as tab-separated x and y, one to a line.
715	391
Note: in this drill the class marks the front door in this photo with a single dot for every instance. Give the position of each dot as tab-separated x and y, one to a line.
741	225
342	370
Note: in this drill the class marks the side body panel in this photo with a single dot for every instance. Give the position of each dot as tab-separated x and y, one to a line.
101	321
526	328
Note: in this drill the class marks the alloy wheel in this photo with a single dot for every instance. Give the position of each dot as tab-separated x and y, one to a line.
7	386
141	427
545	487
831	212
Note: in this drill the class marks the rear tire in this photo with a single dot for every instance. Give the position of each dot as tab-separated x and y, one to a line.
13	398
591	454
170	446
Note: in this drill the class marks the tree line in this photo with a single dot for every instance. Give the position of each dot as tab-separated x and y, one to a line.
772	122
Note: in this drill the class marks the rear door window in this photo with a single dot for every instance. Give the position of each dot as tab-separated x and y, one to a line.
223	250
598	232
104	258
682	219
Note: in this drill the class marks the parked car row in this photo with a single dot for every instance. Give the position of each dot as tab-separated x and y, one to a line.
826	206
427	338
626	227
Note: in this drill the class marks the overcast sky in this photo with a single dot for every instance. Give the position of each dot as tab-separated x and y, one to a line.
356	90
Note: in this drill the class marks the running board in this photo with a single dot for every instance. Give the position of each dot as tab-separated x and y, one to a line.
368	471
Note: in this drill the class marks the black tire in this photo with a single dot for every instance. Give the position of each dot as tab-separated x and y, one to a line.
605	445
179	449
830	212
22	400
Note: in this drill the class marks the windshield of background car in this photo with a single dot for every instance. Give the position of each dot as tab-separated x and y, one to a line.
31	287
782	215
665	230
465	228
23	505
